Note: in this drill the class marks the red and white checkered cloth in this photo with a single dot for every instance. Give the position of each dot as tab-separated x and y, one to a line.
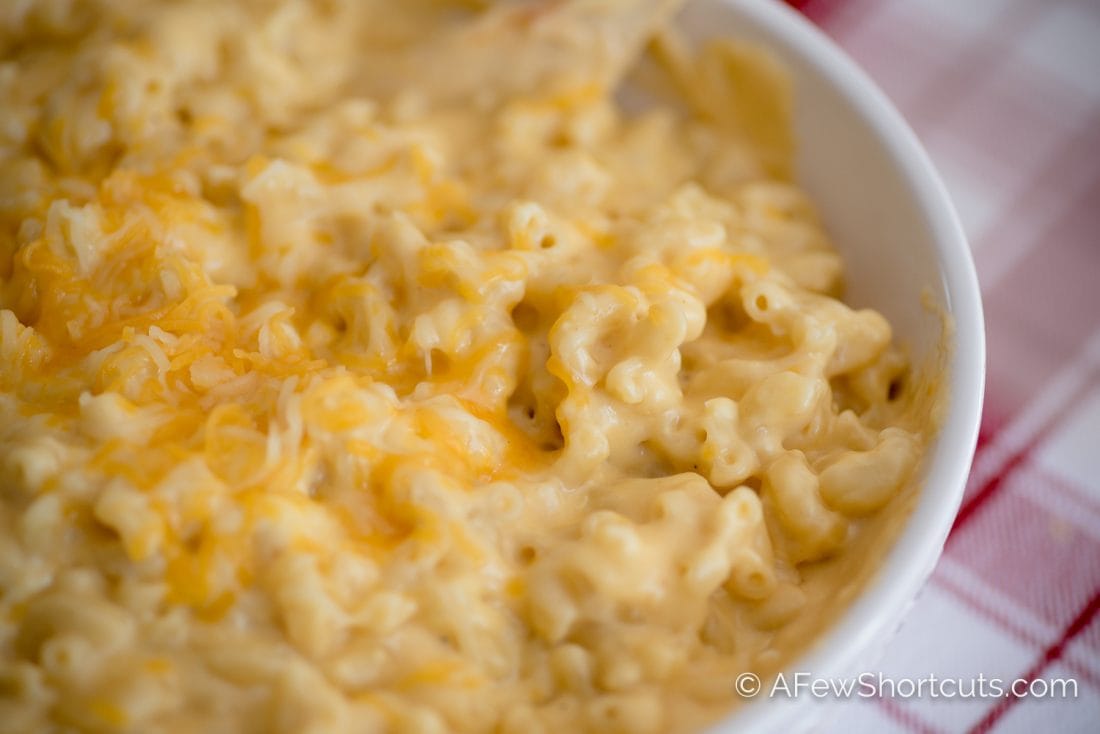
1005	94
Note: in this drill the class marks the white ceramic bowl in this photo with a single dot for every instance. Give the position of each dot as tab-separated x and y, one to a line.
891	218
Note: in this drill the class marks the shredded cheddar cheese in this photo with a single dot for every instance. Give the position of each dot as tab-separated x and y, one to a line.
333	401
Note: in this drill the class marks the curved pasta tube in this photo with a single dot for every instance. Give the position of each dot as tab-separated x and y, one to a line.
752	571
779	407
791	491
727	458
860	482
873	382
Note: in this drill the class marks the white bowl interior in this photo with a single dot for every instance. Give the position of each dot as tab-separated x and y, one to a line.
890	217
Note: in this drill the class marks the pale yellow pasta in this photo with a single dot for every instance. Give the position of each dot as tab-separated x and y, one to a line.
333	402
791	488
859	482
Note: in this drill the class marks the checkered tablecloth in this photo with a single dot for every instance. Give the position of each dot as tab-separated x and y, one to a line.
1005	95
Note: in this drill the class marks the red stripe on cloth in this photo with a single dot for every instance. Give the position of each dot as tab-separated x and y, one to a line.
944	92
976	603
993	485
1061	263
1032	561
988	490
817	10
989	426
1048	184
1082	499
980	605
1050	655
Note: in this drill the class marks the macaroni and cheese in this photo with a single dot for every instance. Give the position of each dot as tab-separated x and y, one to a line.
334	401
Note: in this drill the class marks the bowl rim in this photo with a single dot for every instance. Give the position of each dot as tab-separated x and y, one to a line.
890	592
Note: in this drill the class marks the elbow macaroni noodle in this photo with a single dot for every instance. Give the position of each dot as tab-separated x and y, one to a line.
325	413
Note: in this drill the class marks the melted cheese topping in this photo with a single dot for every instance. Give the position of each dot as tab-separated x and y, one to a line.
321	411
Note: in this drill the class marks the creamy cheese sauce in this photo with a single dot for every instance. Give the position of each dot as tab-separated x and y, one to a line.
331	400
